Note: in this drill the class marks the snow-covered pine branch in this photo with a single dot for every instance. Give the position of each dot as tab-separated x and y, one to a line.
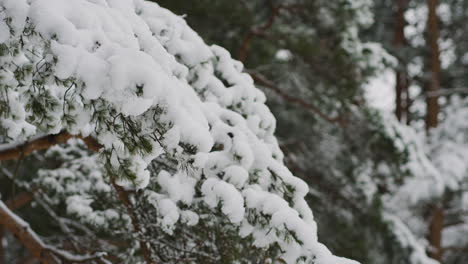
181	127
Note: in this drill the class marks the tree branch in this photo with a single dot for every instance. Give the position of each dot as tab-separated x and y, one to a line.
16	151
20	200
41	251
260	30
125	199
462	249
268	84
34	193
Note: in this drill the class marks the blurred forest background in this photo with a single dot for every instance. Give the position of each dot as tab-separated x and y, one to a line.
371	108
380	190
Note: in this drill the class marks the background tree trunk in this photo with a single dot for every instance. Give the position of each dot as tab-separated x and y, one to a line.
437	214
435	233
434	65
401	82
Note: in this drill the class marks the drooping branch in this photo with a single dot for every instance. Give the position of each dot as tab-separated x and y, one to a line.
16	151
30	240
262	80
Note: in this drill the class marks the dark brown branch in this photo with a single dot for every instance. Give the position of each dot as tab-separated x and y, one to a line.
34	193
261	80
25	235
14	152
260	30
244	49
20	200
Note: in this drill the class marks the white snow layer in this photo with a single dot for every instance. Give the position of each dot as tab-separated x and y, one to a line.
112	63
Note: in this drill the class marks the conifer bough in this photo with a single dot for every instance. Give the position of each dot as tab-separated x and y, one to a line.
135	79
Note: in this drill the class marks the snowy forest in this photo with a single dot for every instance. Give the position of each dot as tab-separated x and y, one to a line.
234	131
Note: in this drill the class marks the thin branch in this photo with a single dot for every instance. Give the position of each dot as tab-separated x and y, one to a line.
16	151
41	251
34	193
68	257
123	196
454	223
262	80
260	30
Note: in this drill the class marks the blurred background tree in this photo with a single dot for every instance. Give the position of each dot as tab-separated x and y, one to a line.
314	60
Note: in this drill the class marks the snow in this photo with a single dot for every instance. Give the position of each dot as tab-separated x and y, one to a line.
79	205
232	201
405	236
438	168
179	187
283	55
23	227
139	80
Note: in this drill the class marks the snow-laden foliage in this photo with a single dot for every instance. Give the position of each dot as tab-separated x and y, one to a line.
406	239
181	126
437	161
438	168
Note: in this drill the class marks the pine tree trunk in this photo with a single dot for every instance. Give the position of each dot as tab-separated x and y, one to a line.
437	212
435	233
434	64
399	40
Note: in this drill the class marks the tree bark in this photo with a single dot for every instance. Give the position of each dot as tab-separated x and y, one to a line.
21	230
41	251
436	224
20	200
435	233
401	78
434	65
